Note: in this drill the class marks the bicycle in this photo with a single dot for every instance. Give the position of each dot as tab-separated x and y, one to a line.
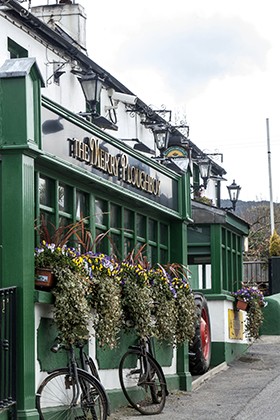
142	378
72	392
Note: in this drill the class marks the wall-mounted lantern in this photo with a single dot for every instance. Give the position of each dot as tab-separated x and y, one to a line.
233	190
161	135
91	84
205	166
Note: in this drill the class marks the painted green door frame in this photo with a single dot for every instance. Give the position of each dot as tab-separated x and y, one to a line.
20	101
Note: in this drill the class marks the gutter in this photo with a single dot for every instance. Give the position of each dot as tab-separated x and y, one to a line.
15	9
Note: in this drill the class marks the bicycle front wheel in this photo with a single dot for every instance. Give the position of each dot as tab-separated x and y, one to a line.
61	396
142	382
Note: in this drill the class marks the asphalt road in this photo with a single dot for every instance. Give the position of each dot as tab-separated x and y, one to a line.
247	389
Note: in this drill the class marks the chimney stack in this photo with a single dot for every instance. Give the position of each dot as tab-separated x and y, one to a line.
69	17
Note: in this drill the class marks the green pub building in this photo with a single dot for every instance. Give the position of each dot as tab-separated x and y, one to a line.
64	165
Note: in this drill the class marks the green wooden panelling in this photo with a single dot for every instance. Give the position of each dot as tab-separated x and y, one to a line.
236	224
110	359
226	352
43	297
46	335
18	239
199	235
17	225
178	242
163	353
5	415
184	195
185	379
216	258
13	95
193	277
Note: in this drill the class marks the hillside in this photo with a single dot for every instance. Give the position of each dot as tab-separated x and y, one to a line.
242	207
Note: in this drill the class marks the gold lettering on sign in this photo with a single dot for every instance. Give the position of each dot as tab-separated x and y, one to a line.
91	153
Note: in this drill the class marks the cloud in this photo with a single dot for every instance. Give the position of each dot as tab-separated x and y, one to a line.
188	55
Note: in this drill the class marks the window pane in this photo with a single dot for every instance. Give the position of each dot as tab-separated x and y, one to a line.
45	192
100	212
128	220
141	225
163	256
163	234
64	198
47	226
128	246
152	255
101	245
115	214
81	205
152	230
16	50
115	245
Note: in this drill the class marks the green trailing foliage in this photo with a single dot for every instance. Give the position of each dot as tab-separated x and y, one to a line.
254	298
94	289
71	308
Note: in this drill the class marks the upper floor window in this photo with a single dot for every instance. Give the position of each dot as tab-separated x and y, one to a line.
16	50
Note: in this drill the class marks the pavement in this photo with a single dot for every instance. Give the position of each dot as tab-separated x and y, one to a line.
246	389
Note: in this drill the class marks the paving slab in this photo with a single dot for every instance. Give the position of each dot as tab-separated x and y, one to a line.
247	389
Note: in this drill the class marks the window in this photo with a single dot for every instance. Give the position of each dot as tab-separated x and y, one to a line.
115	216
100	212
115	229
82	207
64	198
15	50
45	191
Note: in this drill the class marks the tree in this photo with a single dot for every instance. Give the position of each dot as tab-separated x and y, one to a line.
257	214
274	245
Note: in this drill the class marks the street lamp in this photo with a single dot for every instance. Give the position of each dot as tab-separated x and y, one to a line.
233	191
91	85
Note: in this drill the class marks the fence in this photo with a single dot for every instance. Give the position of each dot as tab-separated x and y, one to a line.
8	349
256	272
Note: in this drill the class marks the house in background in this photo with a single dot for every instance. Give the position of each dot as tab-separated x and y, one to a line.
76	142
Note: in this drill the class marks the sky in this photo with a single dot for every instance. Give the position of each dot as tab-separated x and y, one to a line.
215	64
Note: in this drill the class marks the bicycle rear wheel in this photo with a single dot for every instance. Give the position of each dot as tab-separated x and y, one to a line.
61	397
143	382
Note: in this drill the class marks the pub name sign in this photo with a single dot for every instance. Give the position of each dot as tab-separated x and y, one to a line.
91	153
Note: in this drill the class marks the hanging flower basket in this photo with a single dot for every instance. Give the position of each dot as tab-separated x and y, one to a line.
44	278
241	305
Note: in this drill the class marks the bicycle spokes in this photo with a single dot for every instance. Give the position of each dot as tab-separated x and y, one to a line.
142	382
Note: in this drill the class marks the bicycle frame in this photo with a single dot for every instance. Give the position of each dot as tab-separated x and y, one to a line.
145	346
74	368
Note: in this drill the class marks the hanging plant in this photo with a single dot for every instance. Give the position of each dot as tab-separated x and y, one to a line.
137	298
254	298
164	305
254	319
71	307
186	313
104	298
